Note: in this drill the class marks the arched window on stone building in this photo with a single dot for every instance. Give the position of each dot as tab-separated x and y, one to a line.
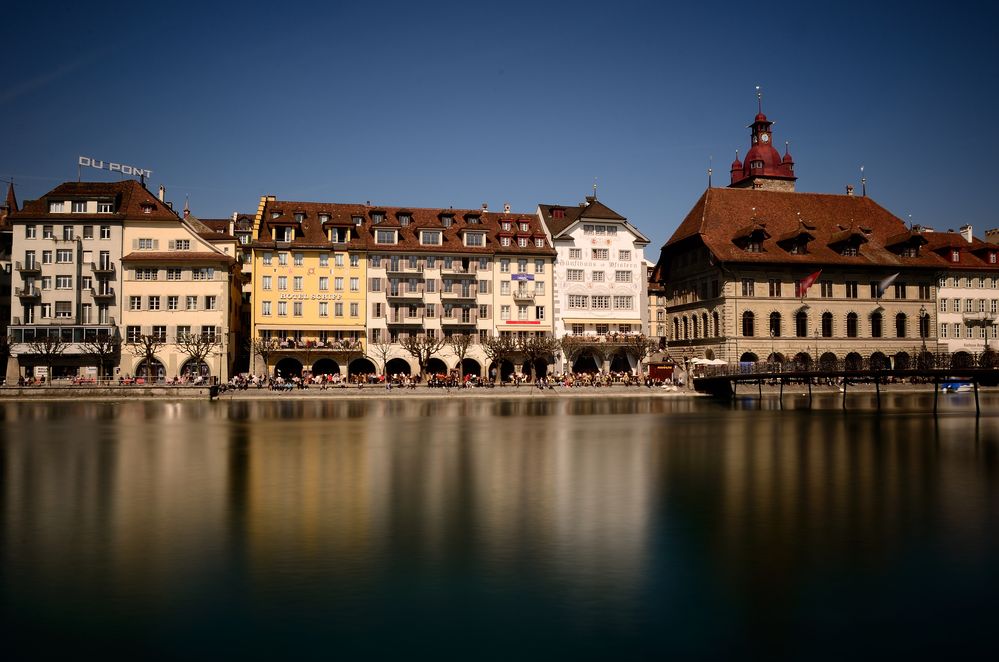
748	324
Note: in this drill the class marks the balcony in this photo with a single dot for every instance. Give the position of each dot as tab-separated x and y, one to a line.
523	295
104	293
467	319
457	270
459	293
402	267
28	268
102	268
404	320
27	292
72	333
984	319
402	293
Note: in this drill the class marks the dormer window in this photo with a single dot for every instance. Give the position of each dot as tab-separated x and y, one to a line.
539	243
955	255
473	220
56	207
377	217
850	250
299	216
105	207
992	257
756	165
558	214
447	220
324	218
505	225
288	234
523	227
522	242
475	239
430	237
405	219
910	251
79	207
357	220
385	236
147	208
275	214
504	241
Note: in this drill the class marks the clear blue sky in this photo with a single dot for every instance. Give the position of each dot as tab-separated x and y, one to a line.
469	102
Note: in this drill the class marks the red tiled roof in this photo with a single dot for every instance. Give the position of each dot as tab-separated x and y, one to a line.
130	198
721	213
971	255
313	234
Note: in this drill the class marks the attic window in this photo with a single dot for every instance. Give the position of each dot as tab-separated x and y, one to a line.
324	218
147	208
447	220
377	217
539	242
910	250
505	225
473	220
358	220
992	257
404	219
850	250
756	165
754	245
275	214
56	207
558	213
299	216
955	255
523	227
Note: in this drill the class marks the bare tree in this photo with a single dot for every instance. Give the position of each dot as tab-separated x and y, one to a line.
641	347
380	350
535	348
499	349
423	348
459	344
47	348
263	347
105	350
349	349
198	347
147	347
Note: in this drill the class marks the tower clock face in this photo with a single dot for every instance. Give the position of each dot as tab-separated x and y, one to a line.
765	137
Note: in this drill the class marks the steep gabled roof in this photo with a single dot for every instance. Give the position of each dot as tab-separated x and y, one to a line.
721	213
131	199
592	209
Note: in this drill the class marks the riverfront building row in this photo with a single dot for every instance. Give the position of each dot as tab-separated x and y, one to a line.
107	279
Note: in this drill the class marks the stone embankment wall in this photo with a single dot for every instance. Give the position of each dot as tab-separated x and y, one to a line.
101	392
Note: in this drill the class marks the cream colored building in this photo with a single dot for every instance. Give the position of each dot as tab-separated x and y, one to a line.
175	284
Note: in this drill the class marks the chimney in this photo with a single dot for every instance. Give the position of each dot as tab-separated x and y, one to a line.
506	207
849	190
485	206
966	233
162	192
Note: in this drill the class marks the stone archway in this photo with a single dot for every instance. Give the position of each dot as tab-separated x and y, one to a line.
397	367
471	367
803	361
191	369
827	361
143	370
361	366
902	361
853	361
288	368
585	362
326	367
749	357
962	360
878	361
436	367
619	362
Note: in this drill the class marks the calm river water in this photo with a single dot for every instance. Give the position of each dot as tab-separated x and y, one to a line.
477	529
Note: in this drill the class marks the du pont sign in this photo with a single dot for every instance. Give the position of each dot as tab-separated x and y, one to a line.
114	167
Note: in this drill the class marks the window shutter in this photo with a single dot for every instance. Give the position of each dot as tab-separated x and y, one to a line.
156	244
173	245
135	244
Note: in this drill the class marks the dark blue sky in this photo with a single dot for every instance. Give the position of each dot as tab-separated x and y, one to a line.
464	103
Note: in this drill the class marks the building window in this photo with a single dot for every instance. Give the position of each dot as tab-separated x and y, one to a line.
324	309
282	309
146	244
105	232
265	283
265	308
851	325
601	253
88	231
191	302
105	207
57	207
282	283
324	283
385	237
67	232
600	302
159	333
355	284
900	325
623	302
775	325
504	266
46	257
64	256
173	274
338	284
135	303
297	283
826	289
133	334
154	302
597	276
296	308
622	276
283	259
47	232
775	288
430	238
146	274
182	244
475	239
900	290
801	324
505	312
575	253
173	302
748	287
924	292
354	309
29	232
338	309
876	330
210	302
577	301
299	259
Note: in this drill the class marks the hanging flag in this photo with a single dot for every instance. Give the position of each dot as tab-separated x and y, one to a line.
886	283
807	282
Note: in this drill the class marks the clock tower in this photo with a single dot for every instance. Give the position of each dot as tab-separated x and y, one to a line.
763	167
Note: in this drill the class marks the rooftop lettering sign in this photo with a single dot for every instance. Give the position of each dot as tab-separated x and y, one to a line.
114	167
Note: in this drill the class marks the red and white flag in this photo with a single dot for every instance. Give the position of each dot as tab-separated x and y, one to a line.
808	281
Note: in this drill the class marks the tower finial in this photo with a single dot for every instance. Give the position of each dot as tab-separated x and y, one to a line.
710	170
759	98
863	182
594	188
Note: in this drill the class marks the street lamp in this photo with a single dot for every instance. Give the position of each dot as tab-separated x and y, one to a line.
923	326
